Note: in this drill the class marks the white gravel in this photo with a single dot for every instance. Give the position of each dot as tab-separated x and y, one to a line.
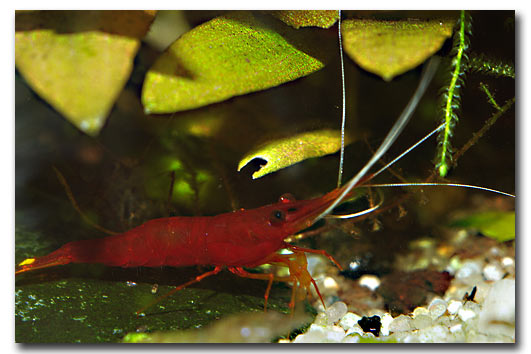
489	318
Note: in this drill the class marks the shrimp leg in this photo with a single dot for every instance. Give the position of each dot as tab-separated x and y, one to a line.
309	250
262	276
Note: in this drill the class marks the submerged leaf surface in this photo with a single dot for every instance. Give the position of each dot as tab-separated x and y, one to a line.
288	151
307	18
498	225
228	56
390	48
79	61
241	328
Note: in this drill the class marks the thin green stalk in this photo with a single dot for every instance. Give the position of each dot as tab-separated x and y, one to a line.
489	123
451	97
492	101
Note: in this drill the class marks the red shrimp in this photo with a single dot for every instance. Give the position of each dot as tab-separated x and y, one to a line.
238	239
243	238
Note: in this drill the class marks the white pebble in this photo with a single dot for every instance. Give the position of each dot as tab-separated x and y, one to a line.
493	272
321	319
444	321
386	321
401	323
435	334
316	264
357	330
370	281
453	265
498	313
507	262
422	321
468	270
420	311
321	334
315	334
330	283
466	314
336	311
349	320
456	328
454	306
335	334
495	251
437	308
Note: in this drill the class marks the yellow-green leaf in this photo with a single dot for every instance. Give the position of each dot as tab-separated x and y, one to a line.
285	152
494	224
259	328
390	48
79	61
230	55
307	18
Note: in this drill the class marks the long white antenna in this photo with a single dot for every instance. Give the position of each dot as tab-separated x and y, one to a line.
408	150
343	115
392	135
430	184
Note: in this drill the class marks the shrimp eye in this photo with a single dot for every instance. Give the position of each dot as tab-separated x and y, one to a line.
286	198
277	216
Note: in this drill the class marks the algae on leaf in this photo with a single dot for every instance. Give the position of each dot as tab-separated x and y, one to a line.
390	48
307	18
288	151
79	61
228	56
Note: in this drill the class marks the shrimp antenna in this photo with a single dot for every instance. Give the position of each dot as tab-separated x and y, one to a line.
395	131
408	150
430	184
343	114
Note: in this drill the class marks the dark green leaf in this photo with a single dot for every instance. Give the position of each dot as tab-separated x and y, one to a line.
227	56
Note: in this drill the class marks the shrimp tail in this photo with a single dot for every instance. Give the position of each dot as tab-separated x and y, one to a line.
84	251
59	257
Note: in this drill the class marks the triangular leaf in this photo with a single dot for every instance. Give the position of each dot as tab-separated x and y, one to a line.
79	61
230	55
390	48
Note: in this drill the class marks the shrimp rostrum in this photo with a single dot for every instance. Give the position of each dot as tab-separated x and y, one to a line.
235	240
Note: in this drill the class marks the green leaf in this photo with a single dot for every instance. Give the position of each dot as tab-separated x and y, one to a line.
79	61
228	56
390	48
498	225
285	152
252	327
307	18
